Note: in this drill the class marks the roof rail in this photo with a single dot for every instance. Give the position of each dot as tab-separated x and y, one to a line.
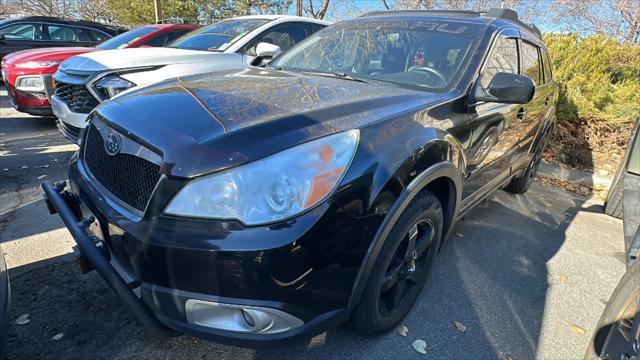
453	13
512	15
506	14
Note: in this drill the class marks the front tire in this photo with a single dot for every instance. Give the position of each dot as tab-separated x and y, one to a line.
402	268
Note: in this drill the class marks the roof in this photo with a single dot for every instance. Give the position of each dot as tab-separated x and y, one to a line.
487	16
166	26
67	22
284	18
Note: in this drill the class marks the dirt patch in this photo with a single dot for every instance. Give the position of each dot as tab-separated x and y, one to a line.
590	145
577	188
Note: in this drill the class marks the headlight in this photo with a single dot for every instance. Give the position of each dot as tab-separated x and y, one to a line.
36	64
271	189
30	84
111	86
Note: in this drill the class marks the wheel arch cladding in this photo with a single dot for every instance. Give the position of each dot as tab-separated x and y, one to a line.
443	180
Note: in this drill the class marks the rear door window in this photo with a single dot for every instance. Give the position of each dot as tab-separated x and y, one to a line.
531	66
65	33
546	61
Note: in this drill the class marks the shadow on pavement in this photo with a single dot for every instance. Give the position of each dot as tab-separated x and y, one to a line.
491	276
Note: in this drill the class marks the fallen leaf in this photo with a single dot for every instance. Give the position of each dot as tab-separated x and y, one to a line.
57	337
403	330
459	235
460	326
42	177
563	277
578	330
24	167
42	166
420	346
5	169
23	319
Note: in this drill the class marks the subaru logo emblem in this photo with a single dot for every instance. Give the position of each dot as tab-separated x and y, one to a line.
113	144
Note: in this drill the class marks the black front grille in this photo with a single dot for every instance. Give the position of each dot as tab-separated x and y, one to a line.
77	97
129	178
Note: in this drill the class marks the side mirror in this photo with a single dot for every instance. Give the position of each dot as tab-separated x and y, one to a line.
266	50
507	88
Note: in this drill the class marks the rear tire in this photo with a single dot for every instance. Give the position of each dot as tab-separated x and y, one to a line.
402	268
522	183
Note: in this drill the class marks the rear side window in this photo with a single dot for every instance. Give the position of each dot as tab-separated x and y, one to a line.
99	36
531	62
503	58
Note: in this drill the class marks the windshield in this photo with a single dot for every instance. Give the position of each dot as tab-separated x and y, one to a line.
125	39
423	54
218	36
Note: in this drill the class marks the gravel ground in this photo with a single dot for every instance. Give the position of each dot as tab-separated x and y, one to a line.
528	276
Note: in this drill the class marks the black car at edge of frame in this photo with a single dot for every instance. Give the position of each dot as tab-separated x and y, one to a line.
269	204
5	303
42	31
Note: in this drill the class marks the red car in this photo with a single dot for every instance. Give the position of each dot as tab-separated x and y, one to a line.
28	74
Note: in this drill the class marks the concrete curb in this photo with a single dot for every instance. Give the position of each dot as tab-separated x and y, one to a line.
564	173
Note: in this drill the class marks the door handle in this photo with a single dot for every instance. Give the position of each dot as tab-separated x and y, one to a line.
521	114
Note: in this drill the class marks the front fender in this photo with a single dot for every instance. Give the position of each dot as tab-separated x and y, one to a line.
395	160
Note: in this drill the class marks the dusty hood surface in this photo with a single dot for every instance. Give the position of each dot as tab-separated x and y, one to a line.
135	57
207	122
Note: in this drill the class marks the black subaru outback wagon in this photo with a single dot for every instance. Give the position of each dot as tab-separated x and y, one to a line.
265	205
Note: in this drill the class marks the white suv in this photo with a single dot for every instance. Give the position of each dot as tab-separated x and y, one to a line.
84	81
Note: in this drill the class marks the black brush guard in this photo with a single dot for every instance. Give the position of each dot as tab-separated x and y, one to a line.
63	203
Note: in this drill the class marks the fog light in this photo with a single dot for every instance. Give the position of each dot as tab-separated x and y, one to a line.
239	318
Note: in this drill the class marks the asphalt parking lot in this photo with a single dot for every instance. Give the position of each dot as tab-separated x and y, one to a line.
527	276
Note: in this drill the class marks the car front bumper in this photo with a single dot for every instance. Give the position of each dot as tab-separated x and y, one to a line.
70	123
33	102
161	267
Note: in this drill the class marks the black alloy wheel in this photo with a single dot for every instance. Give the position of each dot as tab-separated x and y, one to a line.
520	184
408	267
402	267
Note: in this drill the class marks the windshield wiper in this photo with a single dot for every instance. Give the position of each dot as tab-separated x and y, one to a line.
337	75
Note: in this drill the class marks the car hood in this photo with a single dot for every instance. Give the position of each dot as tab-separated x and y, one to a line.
46	54
136	57
206	123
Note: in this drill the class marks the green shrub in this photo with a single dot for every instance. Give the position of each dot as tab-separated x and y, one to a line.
599	77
